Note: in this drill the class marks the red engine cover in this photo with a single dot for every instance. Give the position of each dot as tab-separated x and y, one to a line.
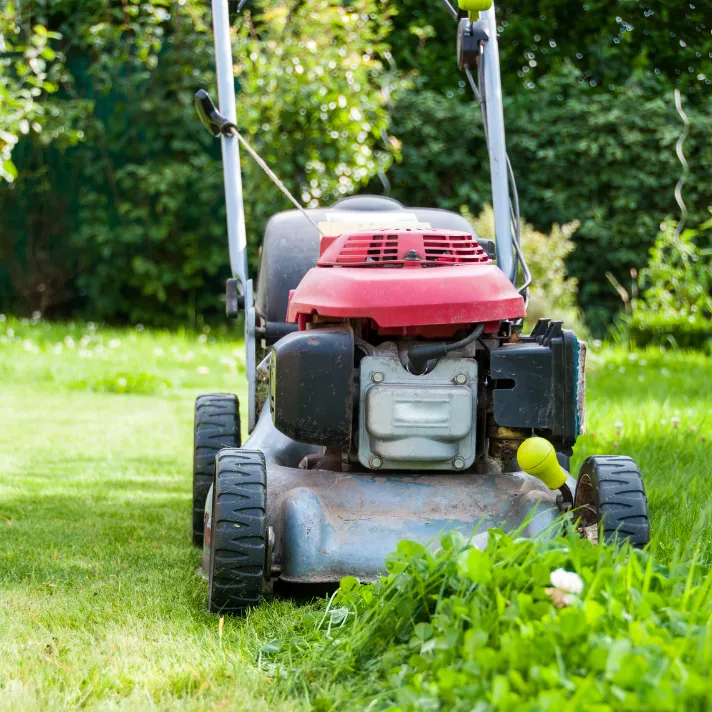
404	280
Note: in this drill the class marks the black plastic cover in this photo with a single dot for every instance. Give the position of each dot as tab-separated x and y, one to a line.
232	299
537	383
311	385
470	36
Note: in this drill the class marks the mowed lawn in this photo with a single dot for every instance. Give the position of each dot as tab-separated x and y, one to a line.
100	604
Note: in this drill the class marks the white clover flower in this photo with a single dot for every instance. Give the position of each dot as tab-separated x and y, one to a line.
675	422
114	343
568	581
203	370
158	351
121	382
203	338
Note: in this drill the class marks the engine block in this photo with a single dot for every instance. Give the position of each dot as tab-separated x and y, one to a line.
424	422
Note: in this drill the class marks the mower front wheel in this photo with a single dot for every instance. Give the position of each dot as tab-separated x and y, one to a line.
610	501
217	425
238	536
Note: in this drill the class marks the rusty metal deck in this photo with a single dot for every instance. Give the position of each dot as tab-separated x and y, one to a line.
331	524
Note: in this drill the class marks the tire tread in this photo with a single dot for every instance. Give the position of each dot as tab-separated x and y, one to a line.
620	498
217	425
238	535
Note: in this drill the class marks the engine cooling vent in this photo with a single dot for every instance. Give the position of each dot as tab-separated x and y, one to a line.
424	247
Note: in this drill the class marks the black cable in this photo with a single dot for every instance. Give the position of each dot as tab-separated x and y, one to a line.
420	354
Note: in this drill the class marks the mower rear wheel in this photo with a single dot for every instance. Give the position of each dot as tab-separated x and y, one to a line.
238	537
611	502
217	425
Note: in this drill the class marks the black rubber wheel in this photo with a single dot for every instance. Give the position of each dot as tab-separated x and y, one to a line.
238	537
217	425
611	501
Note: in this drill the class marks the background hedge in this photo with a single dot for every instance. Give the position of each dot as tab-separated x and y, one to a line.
116	212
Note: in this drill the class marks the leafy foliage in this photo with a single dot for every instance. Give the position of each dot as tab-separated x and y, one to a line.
552	293
610	42
465	629
130	224
675	307
29	70
146	223
604	159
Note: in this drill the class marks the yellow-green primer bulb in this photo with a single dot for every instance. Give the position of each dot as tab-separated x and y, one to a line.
537	457
474	5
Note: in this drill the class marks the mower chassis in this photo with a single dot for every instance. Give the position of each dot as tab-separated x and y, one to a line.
331	524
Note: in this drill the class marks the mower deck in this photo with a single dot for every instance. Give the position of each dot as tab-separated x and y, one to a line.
330	524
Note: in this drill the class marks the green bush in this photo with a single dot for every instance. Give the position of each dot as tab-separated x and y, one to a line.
676	330
30	69
130	224
604	159
675	303
493	630
552	293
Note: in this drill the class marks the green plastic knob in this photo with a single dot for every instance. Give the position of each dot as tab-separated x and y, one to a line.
474	5
537	457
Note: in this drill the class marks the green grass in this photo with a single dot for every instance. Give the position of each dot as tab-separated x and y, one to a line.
100	606
99	601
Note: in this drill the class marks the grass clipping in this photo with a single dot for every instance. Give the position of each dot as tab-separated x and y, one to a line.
542	624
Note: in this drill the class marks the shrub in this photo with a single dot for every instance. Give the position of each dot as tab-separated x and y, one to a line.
130	224
552	293
675	306
605	159
30	69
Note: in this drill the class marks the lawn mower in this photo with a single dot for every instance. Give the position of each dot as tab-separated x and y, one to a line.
392	392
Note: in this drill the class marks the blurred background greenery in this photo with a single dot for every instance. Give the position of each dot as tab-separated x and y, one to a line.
111	192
